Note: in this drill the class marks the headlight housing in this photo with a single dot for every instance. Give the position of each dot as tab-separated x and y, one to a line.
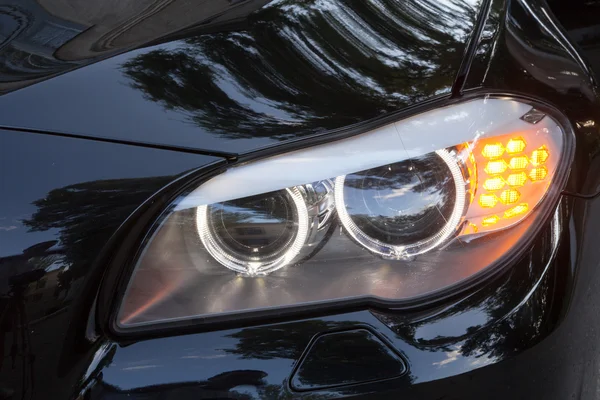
392	215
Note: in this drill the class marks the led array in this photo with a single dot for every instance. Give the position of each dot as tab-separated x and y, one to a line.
519	162
515	211
518	179
515	145
491	220
537	174
539	156
508	167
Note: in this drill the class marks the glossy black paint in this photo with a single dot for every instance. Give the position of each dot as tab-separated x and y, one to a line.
528	333
42	39
55	219
349	357
284	71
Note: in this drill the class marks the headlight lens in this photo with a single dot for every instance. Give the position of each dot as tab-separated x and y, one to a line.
405	208
393	214
257	234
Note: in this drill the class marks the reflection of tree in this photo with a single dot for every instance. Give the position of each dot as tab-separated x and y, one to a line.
502	338
309	65
87	214
508	328
475	341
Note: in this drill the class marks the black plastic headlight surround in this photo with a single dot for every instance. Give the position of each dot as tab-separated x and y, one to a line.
392	215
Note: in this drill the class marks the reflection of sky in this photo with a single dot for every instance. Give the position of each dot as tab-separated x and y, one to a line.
439	364
32	165
251	216
257	104
460	322
353	25
454	360
389	202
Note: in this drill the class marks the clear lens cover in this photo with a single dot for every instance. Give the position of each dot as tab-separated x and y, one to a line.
393	214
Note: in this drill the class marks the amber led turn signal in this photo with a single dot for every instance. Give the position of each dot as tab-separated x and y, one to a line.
514	175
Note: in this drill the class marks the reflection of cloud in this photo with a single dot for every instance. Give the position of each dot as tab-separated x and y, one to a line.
138	367
207	357
395	193
474	361
457	116
7	228
140	364
451	356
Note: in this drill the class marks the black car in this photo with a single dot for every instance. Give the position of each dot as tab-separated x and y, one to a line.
308	199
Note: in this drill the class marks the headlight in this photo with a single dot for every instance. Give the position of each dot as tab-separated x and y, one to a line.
391	215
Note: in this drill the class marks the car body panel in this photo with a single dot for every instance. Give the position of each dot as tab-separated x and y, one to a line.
529	331
276	72
55	219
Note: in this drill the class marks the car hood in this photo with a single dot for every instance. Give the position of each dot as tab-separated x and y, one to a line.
221	75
